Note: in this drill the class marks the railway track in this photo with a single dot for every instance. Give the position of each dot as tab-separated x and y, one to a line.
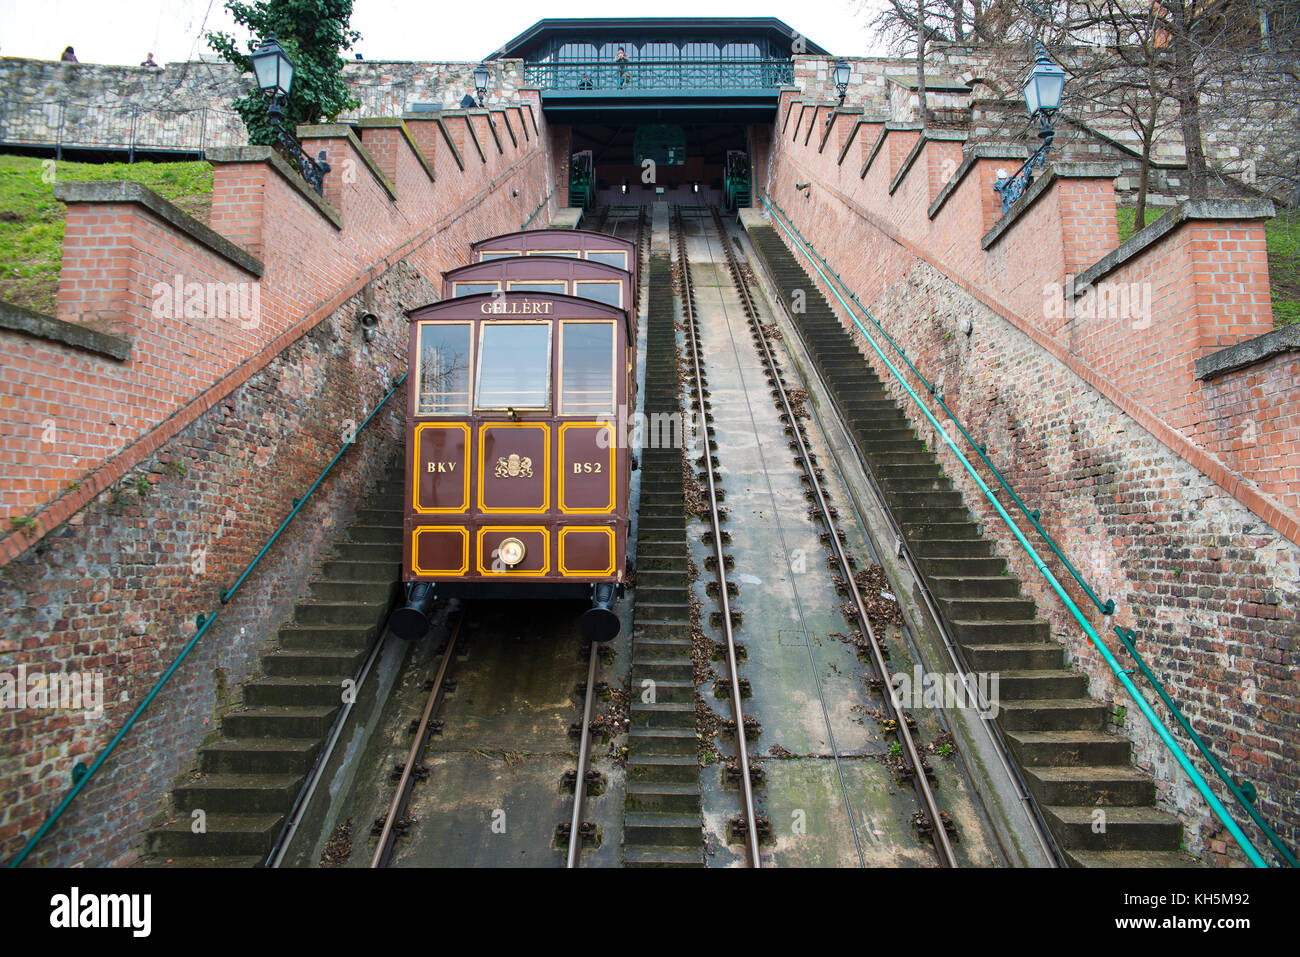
934	820
578	829
695	361
413	768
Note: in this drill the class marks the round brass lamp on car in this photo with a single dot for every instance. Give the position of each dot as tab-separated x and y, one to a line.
511	551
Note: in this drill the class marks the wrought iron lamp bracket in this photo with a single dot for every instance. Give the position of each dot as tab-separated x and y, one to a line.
313	170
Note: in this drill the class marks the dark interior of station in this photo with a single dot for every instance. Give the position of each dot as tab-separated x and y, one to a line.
688	161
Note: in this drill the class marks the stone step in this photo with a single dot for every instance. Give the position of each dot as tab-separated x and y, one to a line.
342	590
1091	785
679	669
239	793
1025	656
279	691
227	863
988	632
662	578
662	714
1122	828
380	516
1058	683
667	644
381	571
320	637
339	612
974	586
665	741
990	608
1069	748
681	798
674	550
666	768
902	500
295	722
1052	714
315	662
661	827
671	535
666	691
369	551
940	566
648	594
258	756
368	534
958	529
663	856
1127	860
226	835
910	517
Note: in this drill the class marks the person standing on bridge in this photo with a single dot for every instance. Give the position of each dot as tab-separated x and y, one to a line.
624	74
149	63
69	56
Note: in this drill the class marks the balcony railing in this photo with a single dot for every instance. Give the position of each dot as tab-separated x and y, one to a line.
64	125
696	75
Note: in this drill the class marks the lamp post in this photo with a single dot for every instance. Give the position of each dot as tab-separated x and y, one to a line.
842	74
481	77
274	72
1042	92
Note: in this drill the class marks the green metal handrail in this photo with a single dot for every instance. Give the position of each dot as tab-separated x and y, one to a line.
81	774
1243	792
540	207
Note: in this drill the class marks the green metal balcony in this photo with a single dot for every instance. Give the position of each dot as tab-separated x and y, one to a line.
686	76
731	90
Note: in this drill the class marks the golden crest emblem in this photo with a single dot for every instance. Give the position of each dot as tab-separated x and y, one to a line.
514	466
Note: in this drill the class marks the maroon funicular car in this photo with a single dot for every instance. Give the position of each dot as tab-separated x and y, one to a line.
517	468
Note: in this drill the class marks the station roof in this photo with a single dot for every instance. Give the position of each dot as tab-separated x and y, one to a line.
579	28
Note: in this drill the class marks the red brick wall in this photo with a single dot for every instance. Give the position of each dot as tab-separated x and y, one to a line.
196	446
1142	474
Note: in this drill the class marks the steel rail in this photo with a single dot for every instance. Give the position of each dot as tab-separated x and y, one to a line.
384	850
584	751
733	673
943	846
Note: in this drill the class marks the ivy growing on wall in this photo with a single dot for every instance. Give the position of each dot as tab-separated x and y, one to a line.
313	33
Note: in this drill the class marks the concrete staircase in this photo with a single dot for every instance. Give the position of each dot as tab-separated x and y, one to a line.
249	777
662	827
1073	766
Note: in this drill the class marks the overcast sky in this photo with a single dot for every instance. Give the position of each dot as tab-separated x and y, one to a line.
103	31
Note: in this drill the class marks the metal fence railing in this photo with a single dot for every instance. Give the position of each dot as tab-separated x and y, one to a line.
661	75
61	126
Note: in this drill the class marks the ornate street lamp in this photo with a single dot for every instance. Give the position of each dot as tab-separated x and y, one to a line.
1042	92
481	78
842	75
274	72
